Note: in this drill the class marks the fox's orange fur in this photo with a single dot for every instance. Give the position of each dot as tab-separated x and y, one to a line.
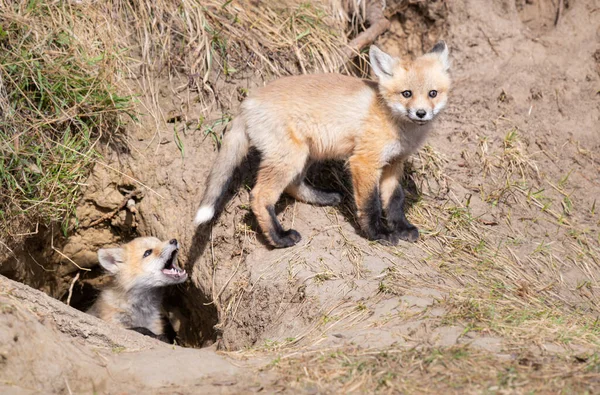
140	269
294	121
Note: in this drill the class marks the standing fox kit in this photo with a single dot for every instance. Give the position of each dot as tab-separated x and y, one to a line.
295	121
140	269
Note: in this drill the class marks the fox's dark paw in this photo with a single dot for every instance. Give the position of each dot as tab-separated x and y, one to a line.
387	240
287	239
383	236
378	232
409	234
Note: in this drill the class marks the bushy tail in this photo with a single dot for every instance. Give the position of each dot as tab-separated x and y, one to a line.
233	150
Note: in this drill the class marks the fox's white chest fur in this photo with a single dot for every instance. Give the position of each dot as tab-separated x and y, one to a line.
410	139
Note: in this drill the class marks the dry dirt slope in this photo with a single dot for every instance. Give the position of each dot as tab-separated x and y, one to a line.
501	294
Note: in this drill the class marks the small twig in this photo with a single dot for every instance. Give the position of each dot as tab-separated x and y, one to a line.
557	102
121	206
215	299
489	40
70	260
71	288
8	248
30	233
42	267
63	255
558	11
68	386
236	269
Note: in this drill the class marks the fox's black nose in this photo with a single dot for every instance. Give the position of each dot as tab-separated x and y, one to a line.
421	113
173	241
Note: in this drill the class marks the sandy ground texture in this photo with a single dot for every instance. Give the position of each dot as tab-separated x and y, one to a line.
500	294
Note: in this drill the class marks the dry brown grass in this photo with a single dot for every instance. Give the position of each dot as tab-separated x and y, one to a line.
217	41
194	37
433	371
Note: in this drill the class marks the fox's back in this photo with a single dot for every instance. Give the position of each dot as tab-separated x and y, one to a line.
325	111
316	95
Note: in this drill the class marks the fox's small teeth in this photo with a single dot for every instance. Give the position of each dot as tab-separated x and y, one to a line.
175	271
204	214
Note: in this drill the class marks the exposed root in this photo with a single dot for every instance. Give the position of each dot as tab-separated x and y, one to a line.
71	288
133	194
378	24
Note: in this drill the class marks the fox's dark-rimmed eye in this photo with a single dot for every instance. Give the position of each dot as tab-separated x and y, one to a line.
432	94
147	253
407	94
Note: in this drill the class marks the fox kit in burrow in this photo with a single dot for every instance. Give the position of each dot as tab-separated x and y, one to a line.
294	121
140	269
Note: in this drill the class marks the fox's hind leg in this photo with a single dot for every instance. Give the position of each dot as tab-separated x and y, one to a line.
300	190
273	177
308	194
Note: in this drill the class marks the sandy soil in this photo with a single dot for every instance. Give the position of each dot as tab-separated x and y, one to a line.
505	195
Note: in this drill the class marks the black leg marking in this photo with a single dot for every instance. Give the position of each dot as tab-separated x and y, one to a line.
374	227
281	238
401	228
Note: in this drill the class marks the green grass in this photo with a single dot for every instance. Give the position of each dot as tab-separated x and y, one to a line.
58	98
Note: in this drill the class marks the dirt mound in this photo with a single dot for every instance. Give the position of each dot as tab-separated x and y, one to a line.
504	194
83	354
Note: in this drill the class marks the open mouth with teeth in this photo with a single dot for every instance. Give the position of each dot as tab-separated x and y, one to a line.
171	269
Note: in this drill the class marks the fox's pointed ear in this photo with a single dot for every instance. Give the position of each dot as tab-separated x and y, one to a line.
442	50
382	63
110	258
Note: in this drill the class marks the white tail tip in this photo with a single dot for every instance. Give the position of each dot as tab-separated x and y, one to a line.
204	214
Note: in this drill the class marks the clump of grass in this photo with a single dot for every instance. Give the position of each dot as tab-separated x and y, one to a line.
58	95
434	370
223	39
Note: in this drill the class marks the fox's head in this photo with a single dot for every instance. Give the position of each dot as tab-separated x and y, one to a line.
416	90
145	262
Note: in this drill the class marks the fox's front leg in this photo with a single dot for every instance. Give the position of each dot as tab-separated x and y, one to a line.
392	195
366	174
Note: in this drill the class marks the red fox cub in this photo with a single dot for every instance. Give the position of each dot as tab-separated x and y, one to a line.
294	121
140	269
